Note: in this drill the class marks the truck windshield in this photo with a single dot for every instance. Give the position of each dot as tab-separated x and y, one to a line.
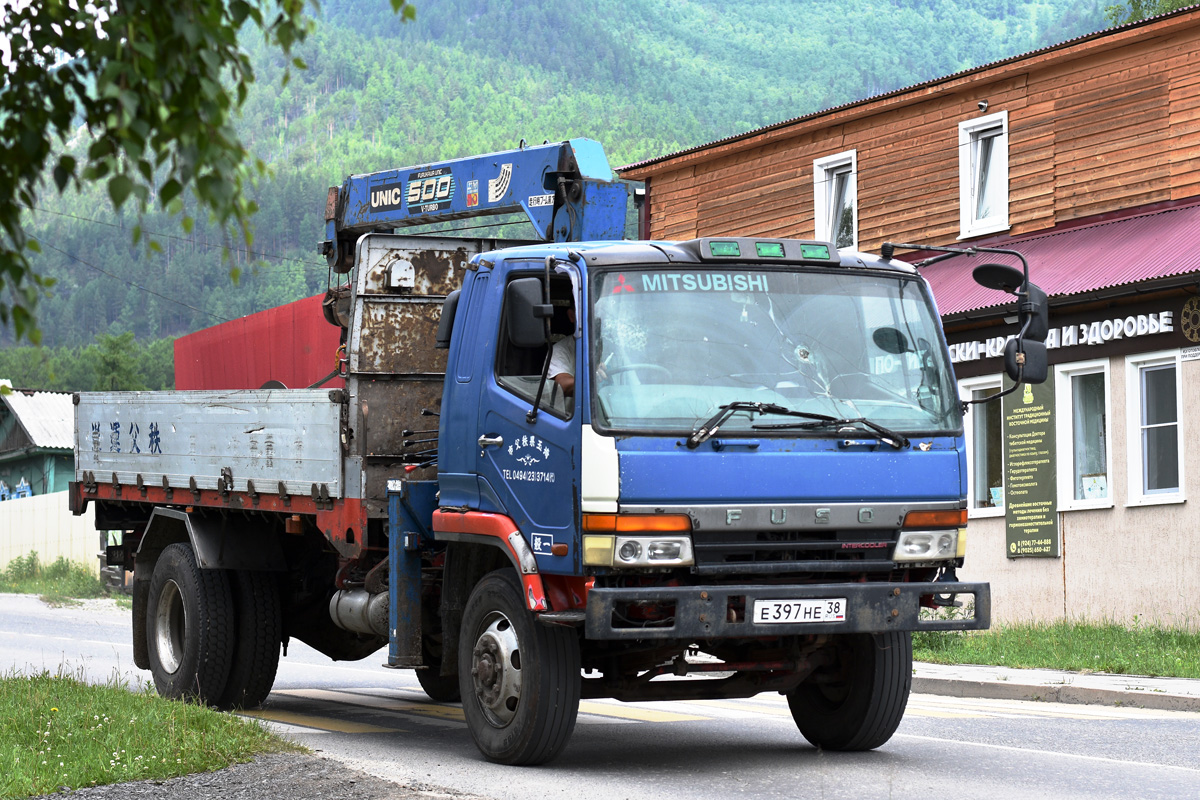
671	347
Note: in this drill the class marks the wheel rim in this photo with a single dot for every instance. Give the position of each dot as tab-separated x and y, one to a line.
496	670
170	622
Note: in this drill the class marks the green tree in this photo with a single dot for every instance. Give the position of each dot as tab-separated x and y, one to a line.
156	86
117	364
1135	10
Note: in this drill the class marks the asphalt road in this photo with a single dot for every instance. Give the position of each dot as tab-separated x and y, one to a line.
379	721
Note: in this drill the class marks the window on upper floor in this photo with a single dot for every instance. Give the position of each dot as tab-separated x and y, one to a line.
1084	456
835	199
983	426
1153	399
983	175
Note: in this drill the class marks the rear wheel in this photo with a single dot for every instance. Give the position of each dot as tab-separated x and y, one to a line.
439	687
520	681
857	703
259	635
189	627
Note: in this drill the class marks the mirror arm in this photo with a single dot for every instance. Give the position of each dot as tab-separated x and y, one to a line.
966	404
950	252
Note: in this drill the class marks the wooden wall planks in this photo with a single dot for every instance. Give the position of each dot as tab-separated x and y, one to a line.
1102	125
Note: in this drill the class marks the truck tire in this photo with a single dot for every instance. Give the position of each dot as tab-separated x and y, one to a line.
259	636
520	681
858	703
189	627
439	687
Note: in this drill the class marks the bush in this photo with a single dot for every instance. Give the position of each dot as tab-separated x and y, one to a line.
62	579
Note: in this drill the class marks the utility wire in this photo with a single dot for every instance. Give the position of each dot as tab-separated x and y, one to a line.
130	283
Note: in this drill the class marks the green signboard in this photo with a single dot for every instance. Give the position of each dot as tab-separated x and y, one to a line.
1030	481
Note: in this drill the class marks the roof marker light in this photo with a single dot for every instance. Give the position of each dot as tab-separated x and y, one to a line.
724	248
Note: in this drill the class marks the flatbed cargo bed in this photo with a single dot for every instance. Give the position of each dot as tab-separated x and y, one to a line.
281	440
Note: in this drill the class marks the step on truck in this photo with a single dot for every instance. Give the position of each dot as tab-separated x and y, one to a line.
577	468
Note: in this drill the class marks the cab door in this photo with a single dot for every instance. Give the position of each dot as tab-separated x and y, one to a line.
530	468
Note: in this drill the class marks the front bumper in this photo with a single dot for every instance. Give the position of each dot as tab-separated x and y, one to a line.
703	612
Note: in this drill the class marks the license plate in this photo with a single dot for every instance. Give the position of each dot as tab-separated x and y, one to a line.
791	611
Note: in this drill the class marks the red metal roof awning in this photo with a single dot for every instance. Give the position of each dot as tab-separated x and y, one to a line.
1080	260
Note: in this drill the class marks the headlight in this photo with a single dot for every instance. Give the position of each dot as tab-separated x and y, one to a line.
926	546
637	551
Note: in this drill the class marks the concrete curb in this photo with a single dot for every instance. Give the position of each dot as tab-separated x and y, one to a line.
1132	695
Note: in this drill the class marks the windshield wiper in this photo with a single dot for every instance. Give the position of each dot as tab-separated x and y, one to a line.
887	436
713	424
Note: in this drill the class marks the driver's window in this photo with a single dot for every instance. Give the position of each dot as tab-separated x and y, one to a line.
519	369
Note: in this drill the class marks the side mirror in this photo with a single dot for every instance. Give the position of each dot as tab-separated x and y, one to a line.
525	312
446	322
890	340
1033	314
1000	277
1034	356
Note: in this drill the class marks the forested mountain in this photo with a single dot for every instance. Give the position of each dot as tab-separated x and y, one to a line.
644	77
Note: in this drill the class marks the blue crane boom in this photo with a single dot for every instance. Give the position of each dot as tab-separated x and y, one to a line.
566	189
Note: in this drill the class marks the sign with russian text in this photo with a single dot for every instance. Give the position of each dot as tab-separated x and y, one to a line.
1030	481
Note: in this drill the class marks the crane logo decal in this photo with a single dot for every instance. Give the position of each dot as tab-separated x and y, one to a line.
498	187
430	190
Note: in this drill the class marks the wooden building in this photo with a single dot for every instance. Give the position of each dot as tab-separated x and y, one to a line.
1085	157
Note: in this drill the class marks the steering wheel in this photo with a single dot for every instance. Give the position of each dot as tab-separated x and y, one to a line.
657	369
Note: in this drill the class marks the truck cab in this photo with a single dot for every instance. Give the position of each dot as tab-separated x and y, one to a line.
762	459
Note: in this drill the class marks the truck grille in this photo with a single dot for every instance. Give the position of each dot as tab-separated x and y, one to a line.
759	552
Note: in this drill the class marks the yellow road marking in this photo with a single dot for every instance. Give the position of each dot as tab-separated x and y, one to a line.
636	713
401	705
320	723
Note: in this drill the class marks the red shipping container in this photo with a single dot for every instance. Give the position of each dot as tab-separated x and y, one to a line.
292	344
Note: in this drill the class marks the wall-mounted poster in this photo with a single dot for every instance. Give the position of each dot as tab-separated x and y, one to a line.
1031	486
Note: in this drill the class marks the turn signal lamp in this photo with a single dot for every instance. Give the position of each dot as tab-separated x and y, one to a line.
949	518
637	523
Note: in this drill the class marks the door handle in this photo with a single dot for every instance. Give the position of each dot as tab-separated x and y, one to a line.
486	440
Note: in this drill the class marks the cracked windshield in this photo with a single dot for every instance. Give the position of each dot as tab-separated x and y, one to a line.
672	347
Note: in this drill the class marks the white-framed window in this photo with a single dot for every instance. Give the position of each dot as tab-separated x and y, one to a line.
983	175
835	199
1153	399
1081	392
983	428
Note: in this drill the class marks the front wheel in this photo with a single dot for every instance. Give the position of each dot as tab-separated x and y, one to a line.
519	681
857	703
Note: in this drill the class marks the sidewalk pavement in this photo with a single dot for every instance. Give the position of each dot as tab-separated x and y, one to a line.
1054	686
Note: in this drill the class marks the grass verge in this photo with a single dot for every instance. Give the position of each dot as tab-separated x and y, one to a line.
1075	646
57	731
58	583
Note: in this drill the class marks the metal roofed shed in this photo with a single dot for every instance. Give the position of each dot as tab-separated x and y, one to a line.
46	418
36	442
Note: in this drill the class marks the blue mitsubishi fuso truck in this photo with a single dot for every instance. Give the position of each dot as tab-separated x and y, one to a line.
757	481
